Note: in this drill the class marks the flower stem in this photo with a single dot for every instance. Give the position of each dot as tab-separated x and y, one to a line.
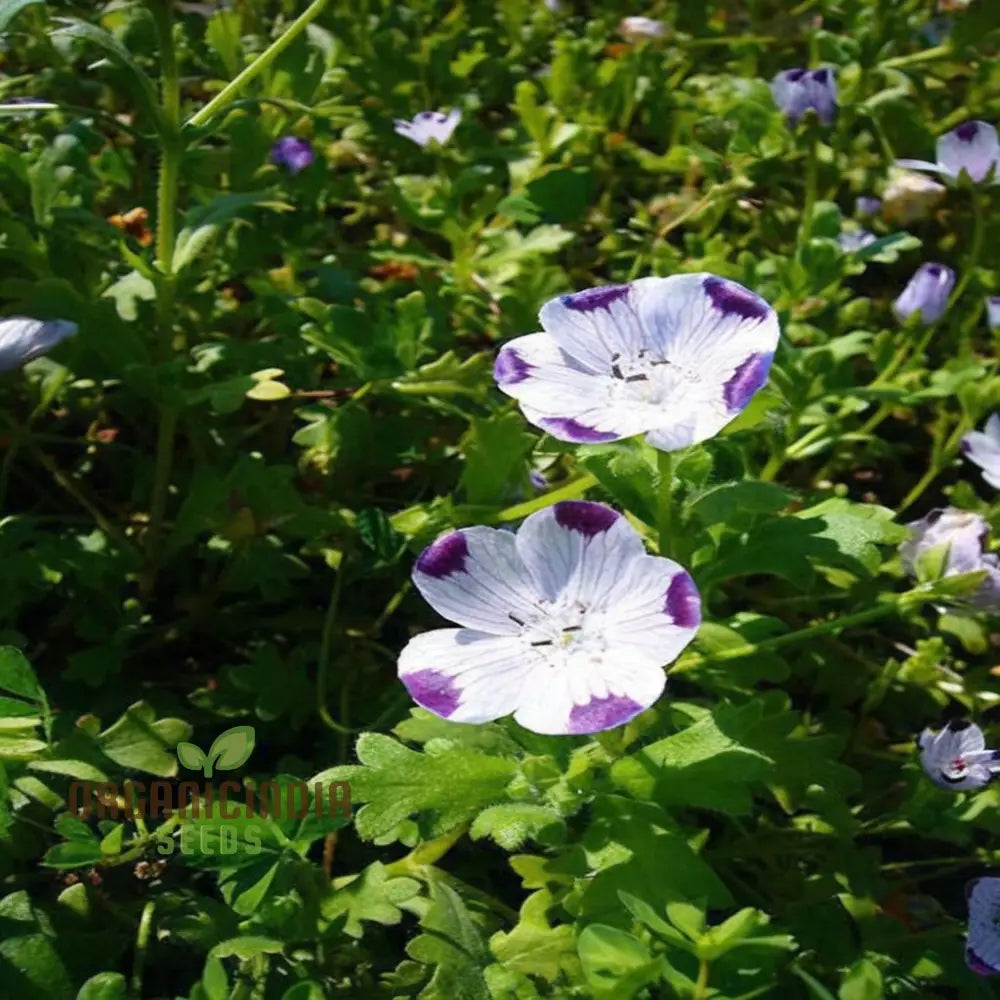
166	234
701	986
141	944
570	491
884	610
812	181
665	508
261	63
976	249
322	668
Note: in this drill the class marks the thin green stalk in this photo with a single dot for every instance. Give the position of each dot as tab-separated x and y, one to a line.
926	55
885	610
325	649
141	945
812	182
975	251
570	491
701	986
166	235
664	500
261	63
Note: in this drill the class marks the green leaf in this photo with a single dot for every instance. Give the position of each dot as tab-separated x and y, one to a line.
374	896
513	823
615	963
453	944
190	756
73	854
534	946
494	448
268	391
137	740
203	223
5	815
627	470
247	946
104	40
28	953
722	504
862	981
394	782
704	765
231	749
9	9
18	678
103	986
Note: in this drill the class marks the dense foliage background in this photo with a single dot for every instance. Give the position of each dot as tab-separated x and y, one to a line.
212	497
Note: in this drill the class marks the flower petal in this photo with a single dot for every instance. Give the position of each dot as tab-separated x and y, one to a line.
466	676
563	396
22	339
983	950
973	147
474	577
589	695
577	550
933	168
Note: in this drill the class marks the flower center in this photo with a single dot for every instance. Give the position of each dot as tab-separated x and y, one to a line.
555	626
648	378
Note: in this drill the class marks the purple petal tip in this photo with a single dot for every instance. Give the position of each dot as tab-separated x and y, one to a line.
594	298
977	964
732	299
445	556
968	131
746	380
433	691
510	367
683	602
587	518
568	429
602	713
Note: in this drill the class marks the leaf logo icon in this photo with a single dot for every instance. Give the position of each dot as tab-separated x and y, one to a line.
229	750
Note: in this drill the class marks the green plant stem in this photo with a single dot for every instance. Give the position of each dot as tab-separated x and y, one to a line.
325	650
812	181
884	610
701	986
141	944
570	491
172	150
427	853
979	209
261	63
927	55
664	500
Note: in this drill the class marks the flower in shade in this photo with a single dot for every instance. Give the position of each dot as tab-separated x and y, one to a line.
673	358
553	5
867	205
993	311
429	126
22	338
926	293
633	29
292	153
909	196
983	448
566	623
797	91
956	757
853	240
973	148
982	948
957	539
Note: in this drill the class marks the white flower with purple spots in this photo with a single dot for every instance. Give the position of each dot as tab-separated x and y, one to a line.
796	91
983	448
673	358
926	293
973	148
429	126
22	339
982	949
632	29
566	623
956	757
993	311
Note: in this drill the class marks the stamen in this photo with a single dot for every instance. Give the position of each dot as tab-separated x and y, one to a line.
637	378
542	642
617	372
573	628
515	619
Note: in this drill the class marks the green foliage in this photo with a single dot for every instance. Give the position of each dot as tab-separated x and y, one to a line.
282	390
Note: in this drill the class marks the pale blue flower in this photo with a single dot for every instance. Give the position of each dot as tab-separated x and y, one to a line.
956	758
972	148
926	293
429	126
796	91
